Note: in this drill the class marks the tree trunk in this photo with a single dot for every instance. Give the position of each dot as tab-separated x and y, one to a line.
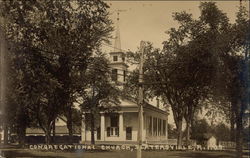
239	131
70	125
92	126
189	119
21	124
239	139
232	121
64	78
47	136
6	134
188	133
54	131
179	132
21	135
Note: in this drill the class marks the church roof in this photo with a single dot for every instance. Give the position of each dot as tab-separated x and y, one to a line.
130	102
58	130
117	52
119	63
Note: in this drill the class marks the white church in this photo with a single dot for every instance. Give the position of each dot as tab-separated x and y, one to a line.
122	127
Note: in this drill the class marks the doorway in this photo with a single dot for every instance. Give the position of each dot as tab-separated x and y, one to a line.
128	133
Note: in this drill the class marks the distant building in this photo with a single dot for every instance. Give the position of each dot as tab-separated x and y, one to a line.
60	129
211	142
246	117
208	141
37	135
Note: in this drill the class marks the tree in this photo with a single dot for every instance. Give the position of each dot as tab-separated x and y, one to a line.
54	40
172	133
160	68
221	132
100	95
234	78
240	99
3	52
17	117
200	130
184	74
199	39
212	40
188	71
35	91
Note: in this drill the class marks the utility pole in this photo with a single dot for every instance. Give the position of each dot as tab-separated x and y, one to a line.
140	101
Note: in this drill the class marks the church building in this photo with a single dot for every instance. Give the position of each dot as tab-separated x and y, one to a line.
122	127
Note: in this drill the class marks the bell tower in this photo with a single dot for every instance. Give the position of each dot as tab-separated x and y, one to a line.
117	58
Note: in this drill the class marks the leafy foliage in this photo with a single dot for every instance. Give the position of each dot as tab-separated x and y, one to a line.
52	42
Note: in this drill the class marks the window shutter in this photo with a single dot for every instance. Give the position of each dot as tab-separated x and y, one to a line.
124	75
108	131
117	131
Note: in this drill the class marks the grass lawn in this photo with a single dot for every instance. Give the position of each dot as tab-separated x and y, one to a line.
12	153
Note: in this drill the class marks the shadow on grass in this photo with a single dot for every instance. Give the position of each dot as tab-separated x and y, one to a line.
207	155
119	154
10	154
246	152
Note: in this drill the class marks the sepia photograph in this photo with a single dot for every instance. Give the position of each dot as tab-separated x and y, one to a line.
124	79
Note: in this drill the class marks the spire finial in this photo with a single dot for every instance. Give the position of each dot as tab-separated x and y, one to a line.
117	46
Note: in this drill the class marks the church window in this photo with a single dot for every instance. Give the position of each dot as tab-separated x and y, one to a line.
114	120
164	127
155	126
150	125
159	127
124	75
115	58
113	130
114	75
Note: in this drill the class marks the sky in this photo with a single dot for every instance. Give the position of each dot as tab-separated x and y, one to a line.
149	20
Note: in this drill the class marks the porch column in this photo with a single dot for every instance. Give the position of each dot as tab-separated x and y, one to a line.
121	133
102	128
83	129
167	127
152	127
144	127
167	109
157	127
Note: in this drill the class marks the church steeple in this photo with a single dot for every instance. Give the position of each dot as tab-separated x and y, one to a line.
117	45
117	57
